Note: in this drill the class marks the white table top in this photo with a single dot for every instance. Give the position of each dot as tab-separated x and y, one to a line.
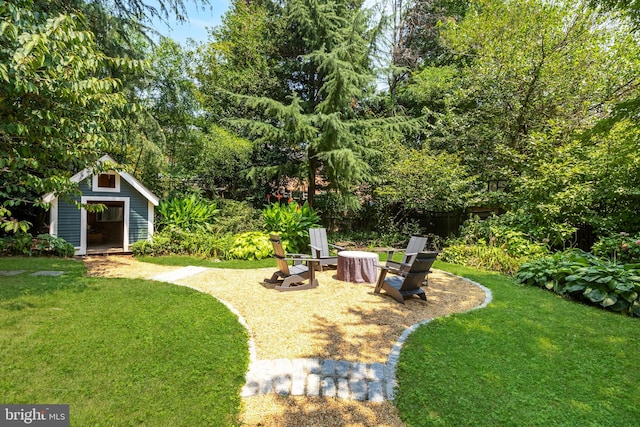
357	254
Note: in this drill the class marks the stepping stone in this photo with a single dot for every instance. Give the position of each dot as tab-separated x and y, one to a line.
314	382
178	274
250	389
358	370
297	384
376	372
376	392
342	368
282	384
48	273
328	367
358	389
309	366
11	272
328	387
342	388
265	386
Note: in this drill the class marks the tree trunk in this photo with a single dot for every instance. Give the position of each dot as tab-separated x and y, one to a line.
313	166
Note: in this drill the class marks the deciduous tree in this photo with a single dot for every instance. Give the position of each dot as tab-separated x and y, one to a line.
57	105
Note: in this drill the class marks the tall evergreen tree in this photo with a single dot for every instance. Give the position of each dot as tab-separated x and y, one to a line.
323	64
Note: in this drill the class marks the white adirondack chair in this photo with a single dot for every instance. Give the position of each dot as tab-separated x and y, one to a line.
320	247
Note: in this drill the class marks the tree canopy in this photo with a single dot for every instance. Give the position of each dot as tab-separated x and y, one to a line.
537	100
58	106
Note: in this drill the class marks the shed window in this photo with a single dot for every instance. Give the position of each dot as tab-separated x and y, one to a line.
106	180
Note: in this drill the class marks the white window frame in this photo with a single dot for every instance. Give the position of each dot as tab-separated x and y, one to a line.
96	188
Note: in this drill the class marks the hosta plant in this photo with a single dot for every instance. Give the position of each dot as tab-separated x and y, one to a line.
583	276
250	246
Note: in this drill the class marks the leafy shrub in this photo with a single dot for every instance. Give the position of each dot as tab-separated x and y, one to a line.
537	227
175	241
190	213
482	256
292	222
42	245
18	244
493	232
620	247
250	246
585	277
143	247
47	244
237	217
491	245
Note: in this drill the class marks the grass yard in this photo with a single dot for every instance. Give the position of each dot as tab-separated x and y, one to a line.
118	351
530	358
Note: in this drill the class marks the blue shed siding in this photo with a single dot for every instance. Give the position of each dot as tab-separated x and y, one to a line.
69	223
138	226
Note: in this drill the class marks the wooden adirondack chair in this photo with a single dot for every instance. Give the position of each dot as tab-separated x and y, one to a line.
401	287
320	247
416	244
291	277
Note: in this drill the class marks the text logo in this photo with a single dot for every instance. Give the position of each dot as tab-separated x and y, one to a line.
34	415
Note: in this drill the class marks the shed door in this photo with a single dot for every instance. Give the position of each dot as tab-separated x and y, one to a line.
106	229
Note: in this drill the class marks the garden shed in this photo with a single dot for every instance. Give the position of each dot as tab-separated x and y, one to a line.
128	216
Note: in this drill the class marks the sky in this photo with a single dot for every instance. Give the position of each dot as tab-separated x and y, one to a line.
199	20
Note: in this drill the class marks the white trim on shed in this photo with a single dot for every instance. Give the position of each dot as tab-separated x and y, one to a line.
152	198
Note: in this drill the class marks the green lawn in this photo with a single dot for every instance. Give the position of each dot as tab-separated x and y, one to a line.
530	358
119	352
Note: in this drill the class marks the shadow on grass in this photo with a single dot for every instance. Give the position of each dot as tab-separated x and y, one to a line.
24	285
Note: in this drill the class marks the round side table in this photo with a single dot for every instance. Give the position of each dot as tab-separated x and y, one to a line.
357	266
